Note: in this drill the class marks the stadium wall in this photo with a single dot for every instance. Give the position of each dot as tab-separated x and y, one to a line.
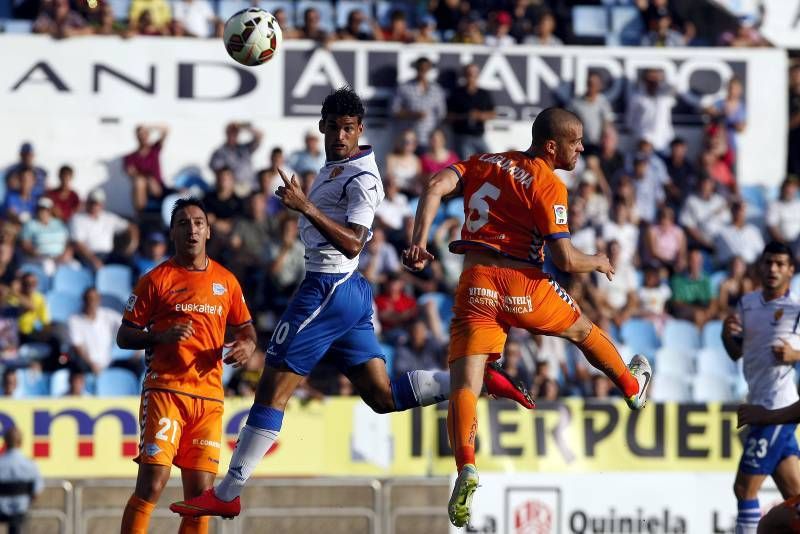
79	99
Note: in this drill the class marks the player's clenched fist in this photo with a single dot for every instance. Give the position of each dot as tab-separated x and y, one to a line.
175	333
240	351
732	326
604	266
415	258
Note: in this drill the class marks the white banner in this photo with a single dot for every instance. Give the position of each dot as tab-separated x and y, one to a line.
653	503
79	99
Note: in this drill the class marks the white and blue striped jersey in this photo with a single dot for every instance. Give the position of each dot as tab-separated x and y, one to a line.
347	191
771	384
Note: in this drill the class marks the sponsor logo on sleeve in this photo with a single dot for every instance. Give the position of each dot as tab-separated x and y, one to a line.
561	214
131	302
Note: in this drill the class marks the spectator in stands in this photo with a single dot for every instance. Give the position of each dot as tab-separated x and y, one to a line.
499	35
195	16
396	308
92	334
45	238
714	166
452	264
76	386
418	349
543	33
403	164
159	10
665	242
10	260
704	214
783	215
739	238
649	188
145	26
66	201
269	179
653	296
20	480
514	363
612	163
746	35
21	205
398	30
144	167
793	165
470	29
59	20
626	194
238	156
438	156
394	208
618	297
621	230
649	113
379	259
692	298
447	13
312	29
594	111
584	236
285	265
251	236
682	173
223	206
10	382
27	160
106	23
420	103
359	27
734	287
468	109
595	202
663	35
154	252
93	231
312	157
426	32
731	112
289	31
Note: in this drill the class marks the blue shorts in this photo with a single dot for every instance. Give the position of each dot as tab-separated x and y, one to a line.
766	446
330	314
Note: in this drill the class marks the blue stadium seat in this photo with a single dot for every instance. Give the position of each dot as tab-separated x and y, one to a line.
226	8
33	351
72	280
384	9
626	27
39	272
115	280
32	383
640	335
191	180
117	382
716	280
712	336
121	354
673	361
715	362
16	26
112	302
680	334
326	14
589	21
795	285
121	8
63	305
671	388
59	383
707	388
388	351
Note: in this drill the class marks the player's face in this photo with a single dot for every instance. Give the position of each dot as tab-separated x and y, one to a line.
190	231
341	136
776	271
569	147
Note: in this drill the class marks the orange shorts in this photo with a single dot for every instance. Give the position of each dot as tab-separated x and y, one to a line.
179	429
490	300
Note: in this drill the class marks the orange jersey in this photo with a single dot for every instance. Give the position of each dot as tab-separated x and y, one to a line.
211	300
513	203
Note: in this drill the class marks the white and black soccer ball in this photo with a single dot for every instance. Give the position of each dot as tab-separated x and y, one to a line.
252	36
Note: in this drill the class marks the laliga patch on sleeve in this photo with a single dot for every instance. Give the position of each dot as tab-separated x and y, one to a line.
561	214
131	302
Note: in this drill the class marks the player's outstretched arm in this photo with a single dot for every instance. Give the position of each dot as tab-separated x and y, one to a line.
443	184
132	338
752	414
571	260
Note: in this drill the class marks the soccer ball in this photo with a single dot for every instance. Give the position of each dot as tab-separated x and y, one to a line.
252	36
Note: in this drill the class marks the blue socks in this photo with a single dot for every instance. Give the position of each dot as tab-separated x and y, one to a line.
748	517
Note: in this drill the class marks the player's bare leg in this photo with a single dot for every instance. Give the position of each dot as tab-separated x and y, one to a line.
194	484
632	379
150	482
466	381
746	487
787	477
255	439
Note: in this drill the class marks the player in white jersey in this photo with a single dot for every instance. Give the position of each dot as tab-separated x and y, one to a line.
763	332
331	312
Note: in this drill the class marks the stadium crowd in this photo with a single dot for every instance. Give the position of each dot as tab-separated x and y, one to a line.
682	234
493	23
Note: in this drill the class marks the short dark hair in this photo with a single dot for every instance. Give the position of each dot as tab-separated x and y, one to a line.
776	247
343	102
550	124
65	168
185	202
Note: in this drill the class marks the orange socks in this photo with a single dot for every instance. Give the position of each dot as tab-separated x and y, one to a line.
136	517
601	353
462	425
194	525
